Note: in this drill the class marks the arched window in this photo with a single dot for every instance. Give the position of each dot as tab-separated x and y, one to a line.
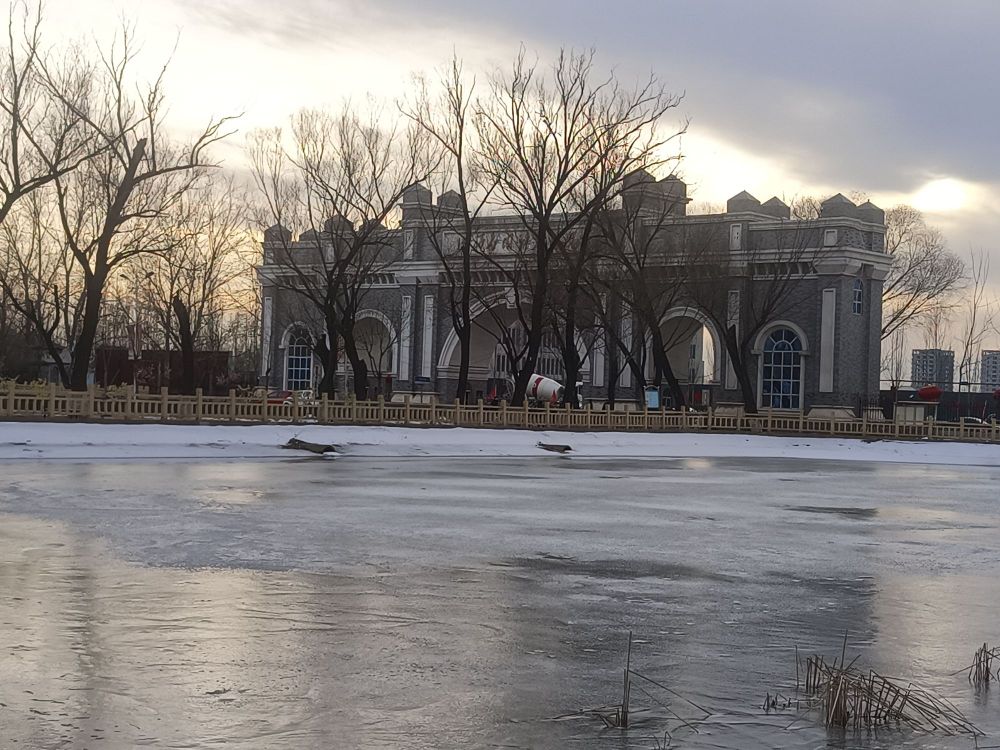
781	373
299	362
549	361
858	302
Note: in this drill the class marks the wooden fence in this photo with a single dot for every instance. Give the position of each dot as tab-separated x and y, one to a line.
125	405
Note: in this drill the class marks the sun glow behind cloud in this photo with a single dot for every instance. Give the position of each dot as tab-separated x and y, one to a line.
945	195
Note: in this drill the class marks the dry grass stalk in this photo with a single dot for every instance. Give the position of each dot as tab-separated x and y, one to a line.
981	671
848	697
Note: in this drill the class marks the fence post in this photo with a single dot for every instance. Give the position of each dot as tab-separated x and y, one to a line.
295	407
458	412
993	429
590	413
324	408
406	409
961	428
864	421
525	407
481	414
548	415
129	402
163	403
232	404
381	409
199	404
608	418
503	412
569	417
263	407
434	403
52	400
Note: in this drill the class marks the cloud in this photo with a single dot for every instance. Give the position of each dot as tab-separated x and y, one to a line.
893	98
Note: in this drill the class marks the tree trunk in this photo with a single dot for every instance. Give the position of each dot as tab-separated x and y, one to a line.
95	281
358	366
187	384
739	362
465	331
329	355
536	323
662	366
84	348
571	355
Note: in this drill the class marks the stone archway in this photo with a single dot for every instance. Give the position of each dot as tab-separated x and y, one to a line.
693	346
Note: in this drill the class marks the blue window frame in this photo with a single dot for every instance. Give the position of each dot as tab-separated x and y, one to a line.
781	371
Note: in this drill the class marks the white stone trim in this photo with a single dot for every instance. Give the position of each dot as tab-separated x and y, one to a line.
427	337
828	323
406	326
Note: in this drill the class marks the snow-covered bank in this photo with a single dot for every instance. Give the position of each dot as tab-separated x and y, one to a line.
36	440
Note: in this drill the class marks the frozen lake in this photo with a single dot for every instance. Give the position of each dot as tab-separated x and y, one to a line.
466	603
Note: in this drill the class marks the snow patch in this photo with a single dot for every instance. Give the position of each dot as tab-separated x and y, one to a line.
39	440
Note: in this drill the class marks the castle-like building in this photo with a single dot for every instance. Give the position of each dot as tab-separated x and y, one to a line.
819	353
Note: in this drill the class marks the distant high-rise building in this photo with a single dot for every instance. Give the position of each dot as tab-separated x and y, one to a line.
933	367
990	373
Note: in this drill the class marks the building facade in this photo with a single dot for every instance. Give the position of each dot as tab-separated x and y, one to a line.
989	376
818	350
933	367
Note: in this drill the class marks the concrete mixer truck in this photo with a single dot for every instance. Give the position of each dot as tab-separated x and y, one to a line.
542	390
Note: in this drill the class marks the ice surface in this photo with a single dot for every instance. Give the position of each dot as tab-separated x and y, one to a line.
403	596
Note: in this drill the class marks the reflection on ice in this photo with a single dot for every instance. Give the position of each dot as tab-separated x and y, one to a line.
419	605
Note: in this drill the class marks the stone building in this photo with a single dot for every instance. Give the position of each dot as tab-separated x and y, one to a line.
819	352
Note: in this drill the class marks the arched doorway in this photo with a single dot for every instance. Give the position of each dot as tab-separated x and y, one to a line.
497	343
692	348
378	347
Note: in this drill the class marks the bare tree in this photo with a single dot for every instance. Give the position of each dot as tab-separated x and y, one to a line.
542	138
936	326
43	134
643	259
38	278
979	315
894	357
188	290
344	181
924	274
447	118
121	204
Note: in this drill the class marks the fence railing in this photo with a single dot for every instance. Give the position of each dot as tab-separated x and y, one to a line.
125	405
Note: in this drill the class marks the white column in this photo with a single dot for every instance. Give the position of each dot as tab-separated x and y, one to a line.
265	344
828	320
405	327
427	342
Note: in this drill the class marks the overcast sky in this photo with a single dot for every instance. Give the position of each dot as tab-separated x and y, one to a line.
893	98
